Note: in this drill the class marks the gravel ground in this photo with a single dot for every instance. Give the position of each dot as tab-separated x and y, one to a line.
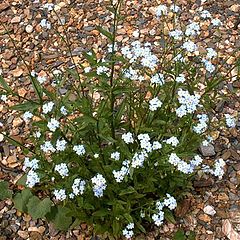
212	209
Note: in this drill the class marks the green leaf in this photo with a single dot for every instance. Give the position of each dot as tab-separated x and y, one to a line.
169	216
37	87
38	208
22	180
105	33
61	220
140	227
128	217
129	190
4	84
116	228
5	192
27	106
179	235
101	213
21	200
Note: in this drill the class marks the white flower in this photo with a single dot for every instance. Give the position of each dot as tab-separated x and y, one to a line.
190	46
79	149
156	145
138	159
205	14
192	29
170	202
62	169
175	8
211	53
216	22
136	33
96	155
61	145
3	98
208	65
158	218
128	231
157	79
176	34
180	78
32	178
154	104
173	141
60	194
37	134
99	185
230	121
32	164
218	168
53	124
119	175
174	159
63	110
47	107
78	186
161	10
127	138
41	79
115	155
45	24
87	69
101	70
47	147
27	115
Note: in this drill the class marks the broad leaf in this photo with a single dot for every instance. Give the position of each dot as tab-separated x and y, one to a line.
61	220
38	208
21	200
5	192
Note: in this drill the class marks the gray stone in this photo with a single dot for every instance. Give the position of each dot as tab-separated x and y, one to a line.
207	151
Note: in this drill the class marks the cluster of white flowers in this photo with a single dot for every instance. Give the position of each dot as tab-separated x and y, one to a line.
190	46
102	69
133	74
141	53
230	121
196	161
31	164
32	178
138	159
119	175
202	125
115	155
41	79
176	34
62	169
211	53
179	58
172	141
27	116
110	47
154	104
145	142
192	29
60	194
79	149
47	147
53	124
189	102
218	168
205	14
157	79
37	134
128	138
128	231
216	22
47	107
180	78
161	10
78	186
208	65
169	202
61	145
181	165
174	8
99	185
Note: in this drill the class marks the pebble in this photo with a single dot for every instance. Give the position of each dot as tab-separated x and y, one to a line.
29	28
207	151
23	234
209	210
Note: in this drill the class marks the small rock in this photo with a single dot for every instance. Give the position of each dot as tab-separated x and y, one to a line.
17	122
4	223
233	197
23	234
29	28
223	197
209	210
207	151
204	218
16	19
203	183
17	72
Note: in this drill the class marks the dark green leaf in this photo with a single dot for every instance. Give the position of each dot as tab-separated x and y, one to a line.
105	33
21	200
5	192
4	84
179	235
61	220
38	208
27	106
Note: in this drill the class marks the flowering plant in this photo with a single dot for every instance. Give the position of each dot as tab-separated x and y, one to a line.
118	147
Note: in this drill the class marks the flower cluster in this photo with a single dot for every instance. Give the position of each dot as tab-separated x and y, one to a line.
99	185
62	169
230	121
154	104
78	186
202	125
